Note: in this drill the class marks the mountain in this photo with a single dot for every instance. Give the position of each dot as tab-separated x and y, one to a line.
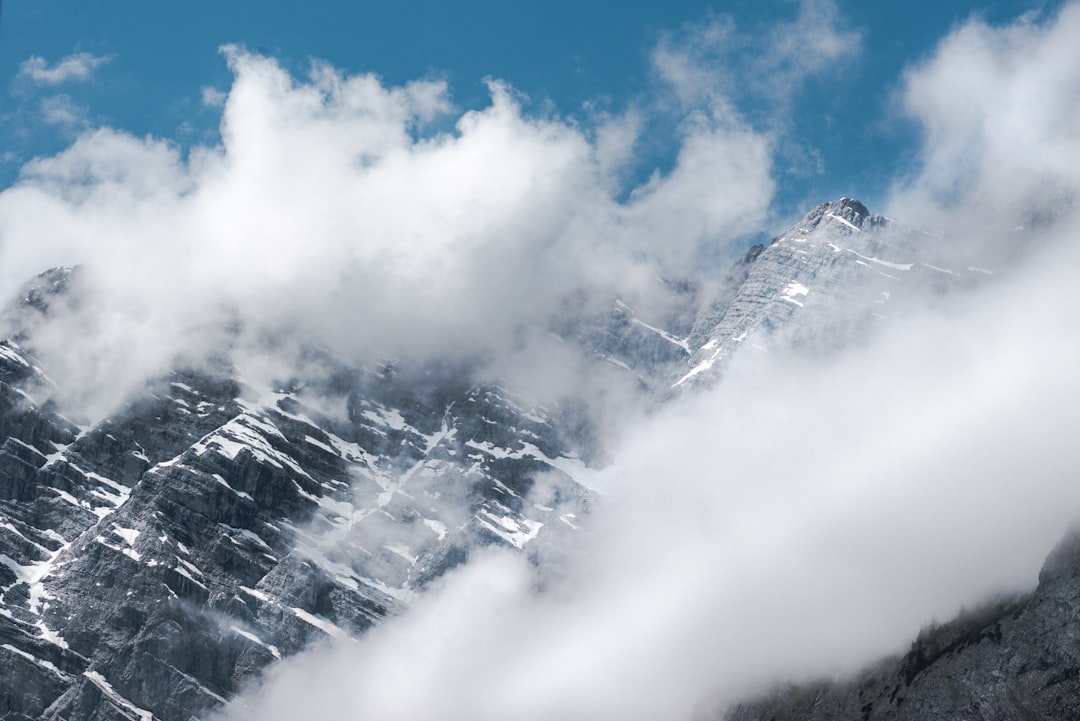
153	562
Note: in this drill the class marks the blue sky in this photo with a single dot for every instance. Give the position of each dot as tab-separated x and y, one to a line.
569	58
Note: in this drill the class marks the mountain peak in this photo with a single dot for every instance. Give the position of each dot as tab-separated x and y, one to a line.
848	214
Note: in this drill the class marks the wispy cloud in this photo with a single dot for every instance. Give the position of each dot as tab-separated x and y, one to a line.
63	111
800	520
213	98
719	62
78	67
755	74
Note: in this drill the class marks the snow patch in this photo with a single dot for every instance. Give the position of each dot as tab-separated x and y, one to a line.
681	342
402	550
792	291
39	661
514	531
885	263
834	216
257	641
437	526
385	417
128	534
99	681
318	622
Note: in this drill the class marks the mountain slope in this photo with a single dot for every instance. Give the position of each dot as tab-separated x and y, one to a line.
153	562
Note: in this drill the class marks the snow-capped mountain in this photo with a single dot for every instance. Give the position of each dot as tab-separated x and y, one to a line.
155	561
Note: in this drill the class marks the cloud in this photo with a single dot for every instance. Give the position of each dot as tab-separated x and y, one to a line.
692	62
78	67
331	210
63	111
814	42
754	75
716	61
213	98
997	108
803	517
342	209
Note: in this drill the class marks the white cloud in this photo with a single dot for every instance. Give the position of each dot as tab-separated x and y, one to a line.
997	107
213	98
330	210
63	111
815	41
694	62
802	518
716	61
752	76
78	67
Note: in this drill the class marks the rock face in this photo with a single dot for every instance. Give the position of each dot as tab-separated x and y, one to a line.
152	563
1014	659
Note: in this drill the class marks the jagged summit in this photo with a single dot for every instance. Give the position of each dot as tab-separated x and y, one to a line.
845	215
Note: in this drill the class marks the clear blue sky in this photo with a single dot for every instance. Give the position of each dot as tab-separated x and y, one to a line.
562	55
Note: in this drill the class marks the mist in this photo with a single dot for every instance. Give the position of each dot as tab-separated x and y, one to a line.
800	519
